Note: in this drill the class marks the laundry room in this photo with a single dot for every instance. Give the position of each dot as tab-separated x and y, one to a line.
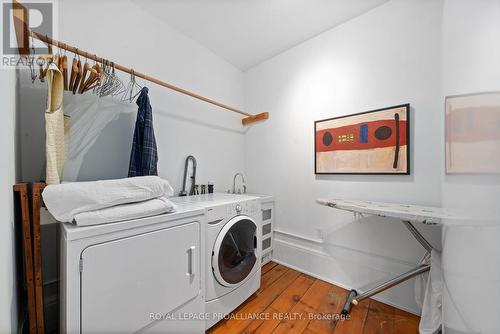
250	166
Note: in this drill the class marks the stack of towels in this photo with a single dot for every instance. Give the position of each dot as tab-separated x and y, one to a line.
100	202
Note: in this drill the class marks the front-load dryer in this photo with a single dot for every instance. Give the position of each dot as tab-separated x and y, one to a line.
141	275
233	250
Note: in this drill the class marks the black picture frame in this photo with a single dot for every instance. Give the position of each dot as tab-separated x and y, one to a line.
408	142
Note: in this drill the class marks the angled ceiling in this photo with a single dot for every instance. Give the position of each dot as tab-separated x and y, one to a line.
248	32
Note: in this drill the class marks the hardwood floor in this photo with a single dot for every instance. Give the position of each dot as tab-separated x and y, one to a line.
291	302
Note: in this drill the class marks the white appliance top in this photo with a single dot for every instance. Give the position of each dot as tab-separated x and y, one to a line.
263	197
209	200
183	210
186	206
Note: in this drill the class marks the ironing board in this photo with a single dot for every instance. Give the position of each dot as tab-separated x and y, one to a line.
409	215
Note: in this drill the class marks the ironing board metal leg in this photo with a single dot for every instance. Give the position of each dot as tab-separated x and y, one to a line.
420	238
395	281
348	303
354	298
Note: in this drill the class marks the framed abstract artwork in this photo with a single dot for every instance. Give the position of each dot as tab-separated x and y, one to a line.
372	142
472	133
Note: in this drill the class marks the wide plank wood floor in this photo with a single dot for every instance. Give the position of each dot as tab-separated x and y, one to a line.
287	298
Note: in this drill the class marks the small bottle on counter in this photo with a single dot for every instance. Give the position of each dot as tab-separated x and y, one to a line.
210	187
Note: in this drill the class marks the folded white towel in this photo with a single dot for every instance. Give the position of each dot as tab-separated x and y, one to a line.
123	212
65	201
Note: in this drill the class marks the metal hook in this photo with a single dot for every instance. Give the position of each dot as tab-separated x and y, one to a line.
112	84
32	44
30	58
133	84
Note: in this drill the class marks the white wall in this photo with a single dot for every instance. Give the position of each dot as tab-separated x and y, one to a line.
8	301
388	56
183	125
471	265
391	55
123	32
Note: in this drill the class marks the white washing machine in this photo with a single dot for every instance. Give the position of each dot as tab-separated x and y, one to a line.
233	250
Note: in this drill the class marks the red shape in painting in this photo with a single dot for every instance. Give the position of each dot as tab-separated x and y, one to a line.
376	134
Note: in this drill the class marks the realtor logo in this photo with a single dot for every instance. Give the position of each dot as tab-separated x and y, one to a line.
18	19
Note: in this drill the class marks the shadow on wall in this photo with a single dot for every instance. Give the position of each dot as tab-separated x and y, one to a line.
31	148
367	178
109	156
100	139
199	122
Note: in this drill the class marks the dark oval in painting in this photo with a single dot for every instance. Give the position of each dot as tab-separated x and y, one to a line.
383	132
327	138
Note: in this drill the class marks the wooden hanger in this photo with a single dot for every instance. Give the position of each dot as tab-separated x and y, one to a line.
41	61
64	66
59	62
93	80
74	73
90	80
100	72
86	68
48	59
78	76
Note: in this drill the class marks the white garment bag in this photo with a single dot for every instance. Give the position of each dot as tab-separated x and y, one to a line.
428	290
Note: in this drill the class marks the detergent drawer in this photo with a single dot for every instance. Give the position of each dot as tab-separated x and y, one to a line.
126	280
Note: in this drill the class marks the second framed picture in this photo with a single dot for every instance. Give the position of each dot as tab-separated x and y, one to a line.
372	142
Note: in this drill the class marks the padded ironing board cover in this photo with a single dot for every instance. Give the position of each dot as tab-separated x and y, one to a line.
405	212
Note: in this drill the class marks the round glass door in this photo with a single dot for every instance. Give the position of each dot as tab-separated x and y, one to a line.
234	254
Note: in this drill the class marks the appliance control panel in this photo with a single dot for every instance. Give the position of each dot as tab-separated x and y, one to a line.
242	208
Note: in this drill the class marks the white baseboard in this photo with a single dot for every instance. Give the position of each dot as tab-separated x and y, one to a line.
318	264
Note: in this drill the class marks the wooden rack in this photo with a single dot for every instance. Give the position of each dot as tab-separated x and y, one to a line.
27	204
23	33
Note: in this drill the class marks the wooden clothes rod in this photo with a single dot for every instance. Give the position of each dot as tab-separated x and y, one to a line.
22	31
245	121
